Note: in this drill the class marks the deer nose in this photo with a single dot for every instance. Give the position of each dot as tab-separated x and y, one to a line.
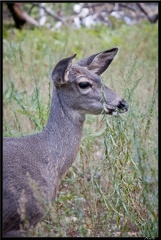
123	105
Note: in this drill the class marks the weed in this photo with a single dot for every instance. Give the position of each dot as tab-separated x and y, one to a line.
111	189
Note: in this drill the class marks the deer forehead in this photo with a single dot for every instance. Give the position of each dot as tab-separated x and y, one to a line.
82	74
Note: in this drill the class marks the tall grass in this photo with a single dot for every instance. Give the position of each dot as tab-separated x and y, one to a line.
111	189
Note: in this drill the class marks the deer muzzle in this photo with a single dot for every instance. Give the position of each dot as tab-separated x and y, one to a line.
114	110
123	106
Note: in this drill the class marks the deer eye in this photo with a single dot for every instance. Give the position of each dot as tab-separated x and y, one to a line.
84	85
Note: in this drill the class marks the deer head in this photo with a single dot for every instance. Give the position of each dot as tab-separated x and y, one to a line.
80	87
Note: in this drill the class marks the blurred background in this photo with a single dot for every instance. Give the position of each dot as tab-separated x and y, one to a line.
54	15
112	188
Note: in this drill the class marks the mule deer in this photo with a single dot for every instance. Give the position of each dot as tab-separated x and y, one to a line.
34	165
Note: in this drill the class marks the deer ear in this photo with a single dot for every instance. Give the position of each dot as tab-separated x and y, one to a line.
99	62
61	70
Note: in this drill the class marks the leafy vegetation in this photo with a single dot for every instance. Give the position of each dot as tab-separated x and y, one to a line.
111	189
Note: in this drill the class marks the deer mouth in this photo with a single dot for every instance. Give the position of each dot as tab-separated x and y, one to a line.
111	110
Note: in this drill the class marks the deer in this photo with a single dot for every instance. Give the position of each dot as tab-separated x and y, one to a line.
34	165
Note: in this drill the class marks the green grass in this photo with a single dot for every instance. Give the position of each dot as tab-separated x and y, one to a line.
111	189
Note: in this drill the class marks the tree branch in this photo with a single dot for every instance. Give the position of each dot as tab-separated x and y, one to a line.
49	12
20	17
152	19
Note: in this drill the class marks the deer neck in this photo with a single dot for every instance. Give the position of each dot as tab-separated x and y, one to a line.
63	131
61	116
